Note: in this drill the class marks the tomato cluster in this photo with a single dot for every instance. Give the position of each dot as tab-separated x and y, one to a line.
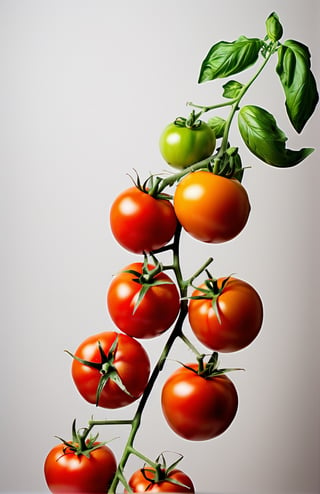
111	369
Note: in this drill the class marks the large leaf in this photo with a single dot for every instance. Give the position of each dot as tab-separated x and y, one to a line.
265	140
228	58
298	82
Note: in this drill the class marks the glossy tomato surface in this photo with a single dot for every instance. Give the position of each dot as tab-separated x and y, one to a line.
130	361
234	323
183	146
198	408
141	223
156	311
143	481
66	472
211	208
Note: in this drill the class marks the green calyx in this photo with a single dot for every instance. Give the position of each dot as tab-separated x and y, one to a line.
80	443
210	369
160	472
211	291
192	122
105	367
151	186
147	279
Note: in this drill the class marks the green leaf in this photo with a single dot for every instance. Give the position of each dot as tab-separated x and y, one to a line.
274	27
217	124
265	140
232	89
227	58
298	82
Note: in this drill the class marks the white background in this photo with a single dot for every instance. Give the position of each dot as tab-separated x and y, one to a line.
86	88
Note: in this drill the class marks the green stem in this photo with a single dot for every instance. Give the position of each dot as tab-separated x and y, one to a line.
93	423
176	332
172	179
190	345
143	457
205	109
236	101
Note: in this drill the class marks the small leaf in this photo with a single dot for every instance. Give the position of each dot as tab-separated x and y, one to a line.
265	140
227	58
274	27
298	82
232	89
217	124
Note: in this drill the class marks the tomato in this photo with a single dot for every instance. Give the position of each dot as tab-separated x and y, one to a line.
123	357
182	146
141	223
235	321
143	480
211	208
156	311
68	472
197	407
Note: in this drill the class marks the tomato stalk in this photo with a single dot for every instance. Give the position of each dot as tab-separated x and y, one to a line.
157	186
242	92
175	333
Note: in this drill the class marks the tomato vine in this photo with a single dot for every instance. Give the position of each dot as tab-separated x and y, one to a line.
147	220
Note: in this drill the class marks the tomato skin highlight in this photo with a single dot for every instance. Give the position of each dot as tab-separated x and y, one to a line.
183	146
139	483
241	315
131	362
211	208
66	472
155	313
198	408
141	223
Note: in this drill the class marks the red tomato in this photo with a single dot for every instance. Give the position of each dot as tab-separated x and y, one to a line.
129	361
143	481
68	472
198	408
156	311
211	208
140	222
240	311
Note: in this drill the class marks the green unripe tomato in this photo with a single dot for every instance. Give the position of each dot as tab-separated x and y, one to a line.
182	146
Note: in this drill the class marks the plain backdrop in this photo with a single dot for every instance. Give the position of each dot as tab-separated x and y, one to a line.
86	88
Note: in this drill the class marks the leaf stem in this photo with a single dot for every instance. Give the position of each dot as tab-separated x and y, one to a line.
236	101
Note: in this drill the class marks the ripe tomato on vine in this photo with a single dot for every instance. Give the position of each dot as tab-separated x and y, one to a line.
199	405
110	369
225	314
211	208
140	222
143	304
